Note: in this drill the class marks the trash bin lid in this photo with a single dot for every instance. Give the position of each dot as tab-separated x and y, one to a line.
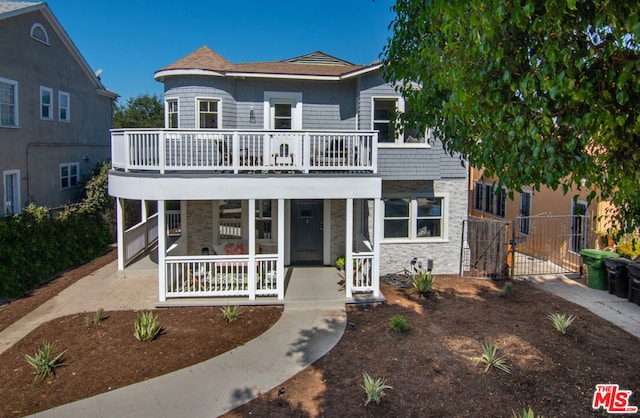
598	254
617	262
634	269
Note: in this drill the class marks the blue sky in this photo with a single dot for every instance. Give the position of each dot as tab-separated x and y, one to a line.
129	40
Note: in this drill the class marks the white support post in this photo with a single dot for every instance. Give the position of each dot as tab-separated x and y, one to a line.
251	268
348	271
143	218
120	232
162	252
163	152
378	210
306	151
280	237
235	154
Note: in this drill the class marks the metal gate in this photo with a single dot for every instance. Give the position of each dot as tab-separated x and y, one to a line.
547	244
484	253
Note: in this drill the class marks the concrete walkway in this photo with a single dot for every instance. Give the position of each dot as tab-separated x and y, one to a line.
312	323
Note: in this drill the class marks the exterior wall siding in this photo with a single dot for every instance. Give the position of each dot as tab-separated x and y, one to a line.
38	147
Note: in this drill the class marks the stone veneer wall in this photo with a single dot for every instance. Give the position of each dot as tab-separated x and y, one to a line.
446	254
200	224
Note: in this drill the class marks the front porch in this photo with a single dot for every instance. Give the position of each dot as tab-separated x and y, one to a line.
240	249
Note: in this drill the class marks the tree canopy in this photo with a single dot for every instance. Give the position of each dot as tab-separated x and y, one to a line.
540	93
144	111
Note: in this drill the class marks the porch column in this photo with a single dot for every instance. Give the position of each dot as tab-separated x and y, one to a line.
144	215
120	232
162	251
251	268
348	258
378	210
280	262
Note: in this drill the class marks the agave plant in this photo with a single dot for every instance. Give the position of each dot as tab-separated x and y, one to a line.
490	358
423	281
44	362
561	322
526	414
146	327
374	388
231	313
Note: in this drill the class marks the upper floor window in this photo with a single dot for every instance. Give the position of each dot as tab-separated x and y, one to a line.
282	116
64	106
172	113
39	33
46	103
209	113
384	109
69	175
414	218
8	102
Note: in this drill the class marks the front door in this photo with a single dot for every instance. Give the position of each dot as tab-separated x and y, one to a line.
306	231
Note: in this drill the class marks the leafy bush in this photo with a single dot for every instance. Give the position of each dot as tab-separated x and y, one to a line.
43	362
628	247
423	281
561	322
507	290
490	358
146	327
231	313
374	388
340	263
399	324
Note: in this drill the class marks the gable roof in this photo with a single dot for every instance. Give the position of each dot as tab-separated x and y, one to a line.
9	9
316	65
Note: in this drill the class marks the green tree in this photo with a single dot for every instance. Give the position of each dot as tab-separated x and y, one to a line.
538	92
144	111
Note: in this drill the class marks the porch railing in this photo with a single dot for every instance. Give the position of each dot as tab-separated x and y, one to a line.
243	151
228	275
363	272
138	238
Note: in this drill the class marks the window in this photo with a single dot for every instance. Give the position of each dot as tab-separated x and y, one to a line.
11	192
8	102
39	33
64	103
209	115
282	116
69	175
282	110
413	218
46	104
525	212
383	110
488	200
578	224
172	113
263	219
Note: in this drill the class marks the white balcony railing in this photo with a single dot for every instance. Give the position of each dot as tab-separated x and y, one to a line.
243	151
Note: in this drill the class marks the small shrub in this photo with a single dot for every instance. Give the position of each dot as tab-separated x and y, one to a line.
43	362
399	324
231	313
340	263
507	290
526	414
423	281
561	322
146	327
374	388
490	358
97	318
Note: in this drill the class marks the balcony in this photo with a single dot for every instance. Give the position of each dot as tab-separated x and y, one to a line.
251	151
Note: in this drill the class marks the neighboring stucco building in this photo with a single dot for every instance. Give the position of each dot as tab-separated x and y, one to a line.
55	114
295	162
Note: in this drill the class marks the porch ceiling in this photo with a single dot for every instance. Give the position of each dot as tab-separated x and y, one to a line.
255	186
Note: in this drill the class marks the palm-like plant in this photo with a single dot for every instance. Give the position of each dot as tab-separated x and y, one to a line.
374	388
490	358
561	322
43	362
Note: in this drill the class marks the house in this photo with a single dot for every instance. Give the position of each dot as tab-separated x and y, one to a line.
264	165
55	114
548	227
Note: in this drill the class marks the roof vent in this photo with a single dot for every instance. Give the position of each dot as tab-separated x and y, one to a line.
39	33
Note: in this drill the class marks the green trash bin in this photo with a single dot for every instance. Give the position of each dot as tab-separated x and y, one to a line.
596	270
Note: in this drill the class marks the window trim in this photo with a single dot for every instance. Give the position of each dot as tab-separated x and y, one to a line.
399	136
13	83
177	112
61	94
283	97
413	218
16	204
69	177
42	104
208	99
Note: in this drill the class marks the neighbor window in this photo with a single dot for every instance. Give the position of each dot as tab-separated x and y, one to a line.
8	102
413	218
69	175
209	113
525	212
64	103
488	200
46	103
172	113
